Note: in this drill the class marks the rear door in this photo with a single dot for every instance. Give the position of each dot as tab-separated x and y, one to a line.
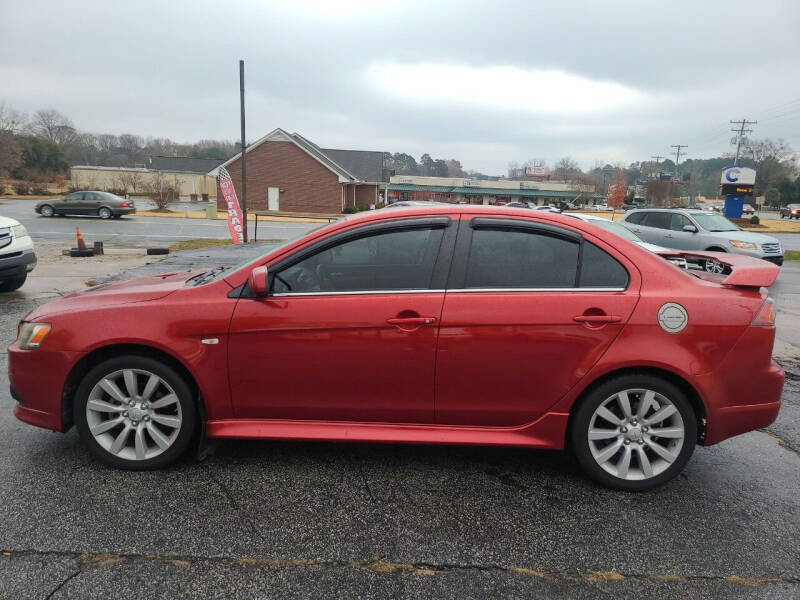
529	309
91	202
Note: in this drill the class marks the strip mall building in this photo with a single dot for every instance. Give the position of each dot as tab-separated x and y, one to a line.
479	191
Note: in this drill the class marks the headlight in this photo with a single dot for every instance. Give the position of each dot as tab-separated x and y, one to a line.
31	335
19	231
743	245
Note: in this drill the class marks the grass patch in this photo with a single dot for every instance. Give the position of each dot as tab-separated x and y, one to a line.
791	255
198	243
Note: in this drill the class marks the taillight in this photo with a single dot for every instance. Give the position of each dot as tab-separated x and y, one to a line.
765	317
124	204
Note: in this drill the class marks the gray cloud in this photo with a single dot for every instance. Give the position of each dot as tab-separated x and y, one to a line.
170	69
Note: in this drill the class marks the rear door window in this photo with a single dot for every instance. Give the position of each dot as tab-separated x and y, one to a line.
520	259
660	220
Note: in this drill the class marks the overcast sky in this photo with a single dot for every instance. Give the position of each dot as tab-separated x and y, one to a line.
484	82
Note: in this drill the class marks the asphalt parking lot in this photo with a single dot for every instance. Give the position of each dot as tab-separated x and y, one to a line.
312	520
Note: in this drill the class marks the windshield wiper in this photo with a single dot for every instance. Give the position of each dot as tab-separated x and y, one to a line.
207	276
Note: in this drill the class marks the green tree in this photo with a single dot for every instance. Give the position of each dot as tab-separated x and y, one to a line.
772	196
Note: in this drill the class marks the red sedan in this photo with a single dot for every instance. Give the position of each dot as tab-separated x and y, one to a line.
445	325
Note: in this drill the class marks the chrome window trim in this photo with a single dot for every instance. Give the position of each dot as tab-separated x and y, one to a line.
355	293
553	289
452	291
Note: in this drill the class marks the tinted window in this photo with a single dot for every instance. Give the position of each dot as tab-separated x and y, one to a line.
601	270
92	197
74	197
658	219
520	259
635	218
678	221
397	260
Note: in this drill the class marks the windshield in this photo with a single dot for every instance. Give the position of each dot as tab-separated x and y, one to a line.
712	222
613	227
224	270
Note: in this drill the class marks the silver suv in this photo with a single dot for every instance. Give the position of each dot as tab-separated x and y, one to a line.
692	229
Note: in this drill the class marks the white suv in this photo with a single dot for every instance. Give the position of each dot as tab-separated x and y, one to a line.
17	257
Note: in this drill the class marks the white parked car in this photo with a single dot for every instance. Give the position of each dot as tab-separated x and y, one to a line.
17	257
598	207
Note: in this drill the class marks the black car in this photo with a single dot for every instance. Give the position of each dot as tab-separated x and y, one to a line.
103	204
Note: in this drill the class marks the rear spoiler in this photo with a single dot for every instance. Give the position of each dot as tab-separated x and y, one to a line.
746	271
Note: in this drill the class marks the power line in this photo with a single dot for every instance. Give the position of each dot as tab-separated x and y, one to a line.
740	135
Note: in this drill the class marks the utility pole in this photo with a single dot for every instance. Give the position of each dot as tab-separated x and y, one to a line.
678	156
658	159
740	136
244	150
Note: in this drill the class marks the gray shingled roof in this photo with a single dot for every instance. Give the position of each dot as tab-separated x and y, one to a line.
184	164
366	165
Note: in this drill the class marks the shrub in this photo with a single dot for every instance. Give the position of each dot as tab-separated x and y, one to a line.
22	188
39	189
754	220
349	210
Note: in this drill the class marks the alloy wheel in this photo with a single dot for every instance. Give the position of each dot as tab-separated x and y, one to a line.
636	434
47	211
134	414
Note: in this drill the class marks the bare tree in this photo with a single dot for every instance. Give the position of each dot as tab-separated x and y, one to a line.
566	168
129	181
52	125
11	120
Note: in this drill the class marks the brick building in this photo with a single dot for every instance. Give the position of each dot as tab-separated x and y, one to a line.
287	172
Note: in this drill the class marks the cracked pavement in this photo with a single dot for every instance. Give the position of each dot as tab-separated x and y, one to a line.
311	520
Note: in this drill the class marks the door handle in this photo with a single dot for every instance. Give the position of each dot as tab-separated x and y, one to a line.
411	321
597	319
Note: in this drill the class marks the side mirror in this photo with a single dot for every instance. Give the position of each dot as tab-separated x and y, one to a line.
690	228
258	281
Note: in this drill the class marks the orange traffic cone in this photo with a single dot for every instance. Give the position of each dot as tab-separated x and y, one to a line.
81	243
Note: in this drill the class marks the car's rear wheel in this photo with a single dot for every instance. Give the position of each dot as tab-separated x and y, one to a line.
9	285
134	412
47	211
104	213
634	432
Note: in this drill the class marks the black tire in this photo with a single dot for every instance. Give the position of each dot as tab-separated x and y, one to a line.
157	251
178	384
104	213
9	285
75	252
117	216
582	414
47	211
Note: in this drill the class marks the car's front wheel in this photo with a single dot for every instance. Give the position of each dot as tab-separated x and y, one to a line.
134	412
47	211
634	432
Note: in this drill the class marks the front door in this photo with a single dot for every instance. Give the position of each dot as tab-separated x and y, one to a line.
349	330
521	324
273	198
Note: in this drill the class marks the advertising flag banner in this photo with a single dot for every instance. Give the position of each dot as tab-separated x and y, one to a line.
235	224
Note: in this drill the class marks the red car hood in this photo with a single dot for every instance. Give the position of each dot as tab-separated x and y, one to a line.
746	271
140	289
